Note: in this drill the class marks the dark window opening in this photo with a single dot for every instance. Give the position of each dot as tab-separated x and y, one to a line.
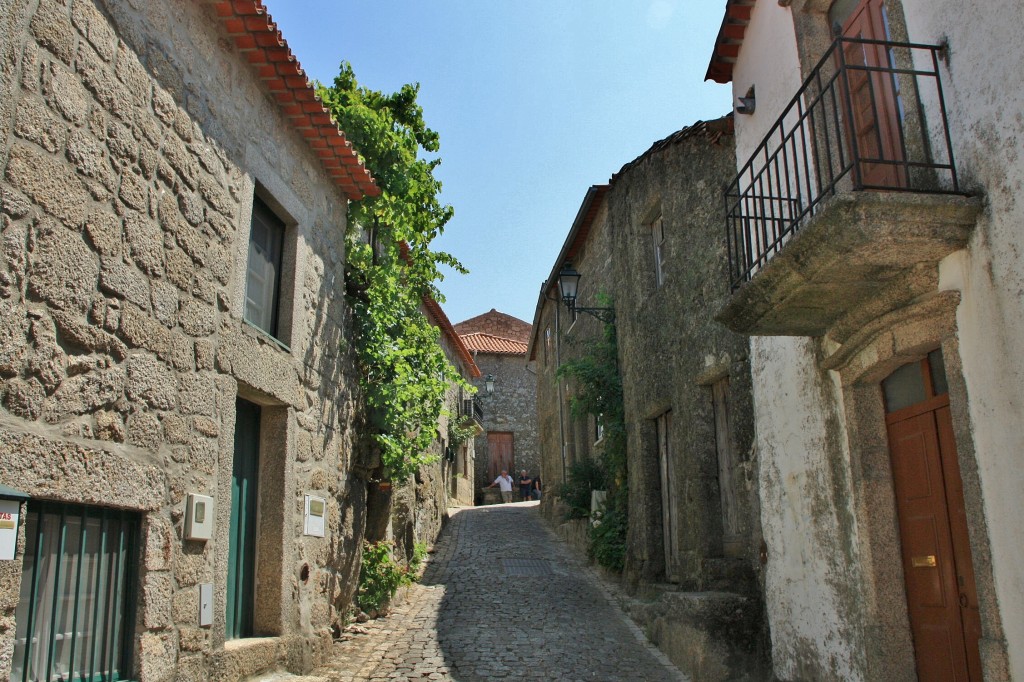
263	273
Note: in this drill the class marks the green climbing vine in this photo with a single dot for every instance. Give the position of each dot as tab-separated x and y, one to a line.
598	384
391	267
459	433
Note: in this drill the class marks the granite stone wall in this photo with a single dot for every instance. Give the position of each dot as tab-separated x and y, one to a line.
133	143
693	515
511	408
694	518
420	504
566	438
497	324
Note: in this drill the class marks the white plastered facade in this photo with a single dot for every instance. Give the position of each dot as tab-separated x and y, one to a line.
818	565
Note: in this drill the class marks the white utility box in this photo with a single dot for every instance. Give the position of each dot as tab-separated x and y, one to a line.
316	513
198	517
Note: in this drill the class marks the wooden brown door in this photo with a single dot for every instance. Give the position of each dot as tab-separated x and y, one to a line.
500	448
873	98
942	602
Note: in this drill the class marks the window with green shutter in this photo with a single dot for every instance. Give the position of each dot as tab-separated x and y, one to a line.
76	611
263	272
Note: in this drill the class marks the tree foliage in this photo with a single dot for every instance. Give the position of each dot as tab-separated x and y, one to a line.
598	393
391	266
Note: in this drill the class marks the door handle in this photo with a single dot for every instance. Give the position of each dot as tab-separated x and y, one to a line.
963	600
927	561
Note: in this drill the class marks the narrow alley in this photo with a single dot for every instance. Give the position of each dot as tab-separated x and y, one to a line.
501	598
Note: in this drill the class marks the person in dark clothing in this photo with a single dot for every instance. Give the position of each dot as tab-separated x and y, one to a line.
536	487
525	483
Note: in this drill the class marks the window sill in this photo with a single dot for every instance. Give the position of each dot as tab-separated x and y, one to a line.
264	334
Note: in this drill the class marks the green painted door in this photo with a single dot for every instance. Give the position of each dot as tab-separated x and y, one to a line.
242	544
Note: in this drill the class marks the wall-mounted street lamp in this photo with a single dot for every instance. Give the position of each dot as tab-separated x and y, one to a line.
489	384
568	285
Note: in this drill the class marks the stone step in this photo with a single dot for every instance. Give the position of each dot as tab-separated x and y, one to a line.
710	635
283	676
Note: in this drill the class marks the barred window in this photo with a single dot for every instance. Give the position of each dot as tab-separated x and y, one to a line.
75	612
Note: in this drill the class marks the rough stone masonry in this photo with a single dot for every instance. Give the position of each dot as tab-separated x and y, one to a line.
135	140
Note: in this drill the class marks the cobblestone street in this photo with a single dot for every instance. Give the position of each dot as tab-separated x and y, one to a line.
501	598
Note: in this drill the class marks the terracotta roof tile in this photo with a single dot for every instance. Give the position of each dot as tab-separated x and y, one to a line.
488	343
435	311
496	323
249	25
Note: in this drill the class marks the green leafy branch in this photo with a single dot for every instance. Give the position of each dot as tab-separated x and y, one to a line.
598	393
391	268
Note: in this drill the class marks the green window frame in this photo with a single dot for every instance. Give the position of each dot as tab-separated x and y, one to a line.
76	611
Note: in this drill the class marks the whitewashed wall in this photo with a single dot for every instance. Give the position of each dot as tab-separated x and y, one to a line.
985	99
812	570
768	61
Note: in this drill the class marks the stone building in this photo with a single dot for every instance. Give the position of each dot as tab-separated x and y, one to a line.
176	398
509	439
694	517
419	506
460	457
558	336
652	240
876	263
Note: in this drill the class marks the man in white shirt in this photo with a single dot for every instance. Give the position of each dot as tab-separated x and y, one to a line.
504	483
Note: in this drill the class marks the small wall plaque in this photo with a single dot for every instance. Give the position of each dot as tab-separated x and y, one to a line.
205	604
9	511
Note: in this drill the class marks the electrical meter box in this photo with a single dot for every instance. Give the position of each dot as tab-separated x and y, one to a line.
198	517
316	513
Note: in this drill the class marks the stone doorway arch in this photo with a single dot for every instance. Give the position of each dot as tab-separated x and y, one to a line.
907	335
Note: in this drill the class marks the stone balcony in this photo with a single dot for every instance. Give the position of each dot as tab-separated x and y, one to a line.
844	210
862	255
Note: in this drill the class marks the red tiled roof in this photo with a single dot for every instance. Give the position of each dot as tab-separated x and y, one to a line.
253	32
730	38
434	309
496	323
488	343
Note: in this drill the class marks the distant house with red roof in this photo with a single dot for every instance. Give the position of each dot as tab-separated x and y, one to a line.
498	343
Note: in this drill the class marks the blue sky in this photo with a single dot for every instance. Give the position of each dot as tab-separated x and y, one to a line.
534	100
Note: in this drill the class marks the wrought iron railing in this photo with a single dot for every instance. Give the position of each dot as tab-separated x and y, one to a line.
472	409
870	116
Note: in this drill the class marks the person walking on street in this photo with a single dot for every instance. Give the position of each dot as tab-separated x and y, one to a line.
504	483
525	483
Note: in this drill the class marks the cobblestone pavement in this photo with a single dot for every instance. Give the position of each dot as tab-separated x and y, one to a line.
501	598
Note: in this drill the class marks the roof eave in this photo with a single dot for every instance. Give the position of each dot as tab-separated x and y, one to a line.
435	311
729	40
249	26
